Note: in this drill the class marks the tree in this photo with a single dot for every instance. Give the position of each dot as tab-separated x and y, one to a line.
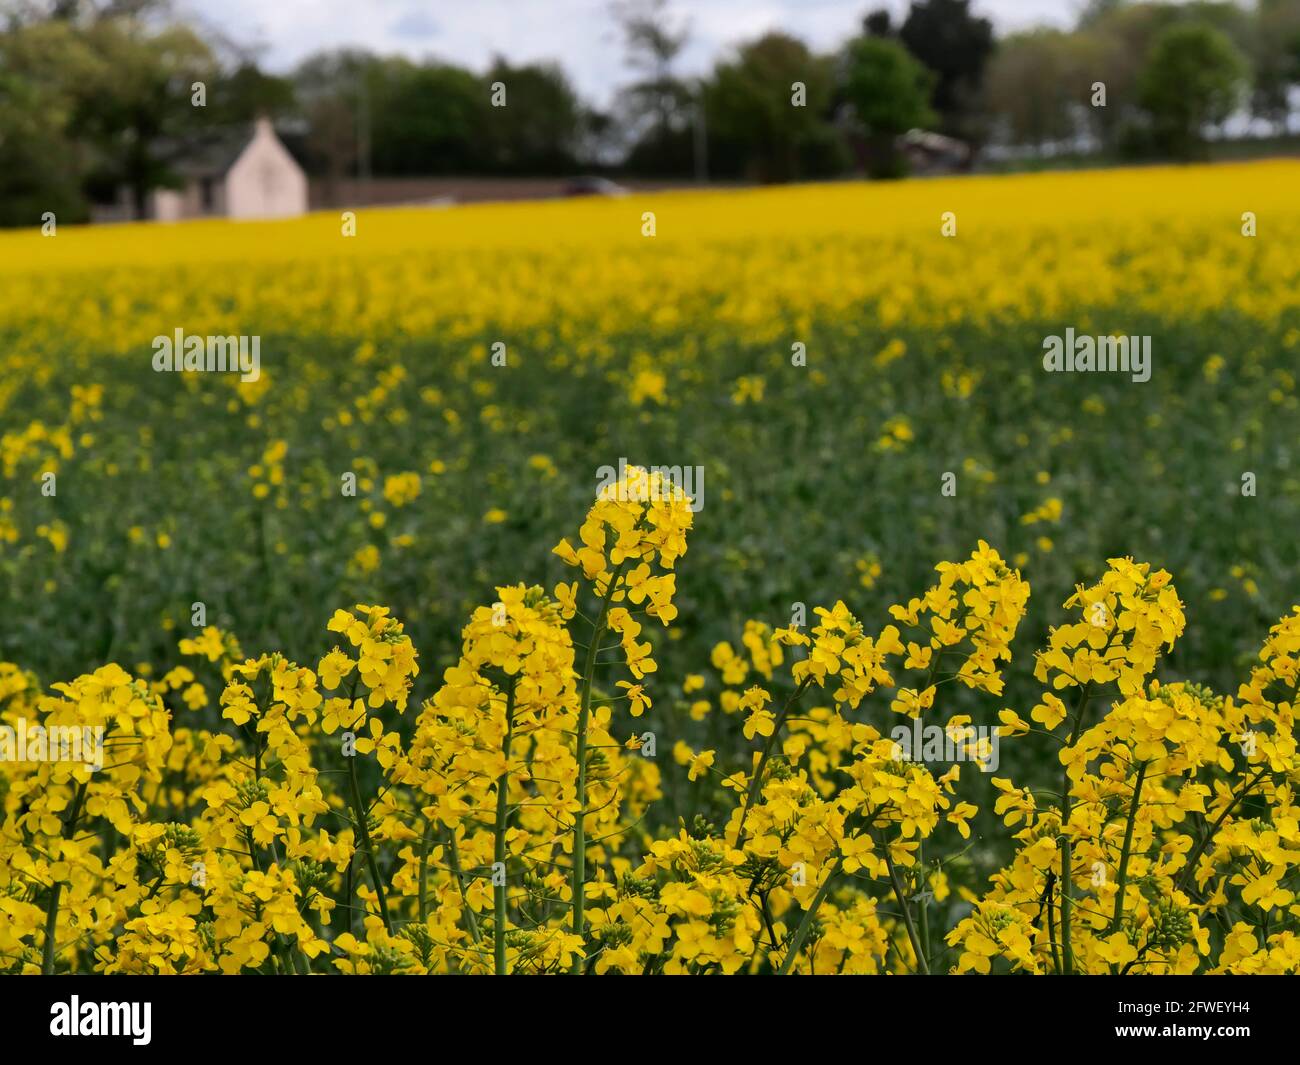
1095	11
245	92
135	107
1276	56
97	94
754	123
888	90
539	128
1192	79
955	45
41	164
79	12
1037	85
412	137
1116	40
879	23
333	91
657	99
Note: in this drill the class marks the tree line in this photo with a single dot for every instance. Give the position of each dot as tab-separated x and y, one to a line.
99	95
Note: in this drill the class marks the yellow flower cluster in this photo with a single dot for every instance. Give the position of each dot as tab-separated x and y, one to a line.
493	771
1176	810
502	830
1127	617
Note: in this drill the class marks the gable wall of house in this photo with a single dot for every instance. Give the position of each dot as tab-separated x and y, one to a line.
265	181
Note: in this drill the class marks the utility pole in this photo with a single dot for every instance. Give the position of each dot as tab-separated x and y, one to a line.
363	132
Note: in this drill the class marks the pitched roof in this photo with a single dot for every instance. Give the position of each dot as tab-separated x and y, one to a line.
216	153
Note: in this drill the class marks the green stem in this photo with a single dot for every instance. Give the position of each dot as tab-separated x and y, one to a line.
1128	845
499	844
810	914
579	884
364	829
1051	925
1067	856
1189	868
52	917
424	871
924	904
755	785
349	912
454	855
901	896
252	849
805	924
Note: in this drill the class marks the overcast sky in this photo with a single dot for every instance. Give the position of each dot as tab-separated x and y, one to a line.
578	33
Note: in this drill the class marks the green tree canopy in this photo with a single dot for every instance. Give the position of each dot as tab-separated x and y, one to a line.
760	122
1193	78
889	91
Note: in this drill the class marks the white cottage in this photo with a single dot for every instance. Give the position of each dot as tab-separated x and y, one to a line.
248	174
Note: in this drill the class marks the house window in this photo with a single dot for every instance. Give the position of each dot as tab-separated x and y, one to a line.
207	193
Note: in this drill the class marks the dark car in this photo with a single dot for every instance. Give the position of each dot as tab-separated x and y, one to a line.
593	186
